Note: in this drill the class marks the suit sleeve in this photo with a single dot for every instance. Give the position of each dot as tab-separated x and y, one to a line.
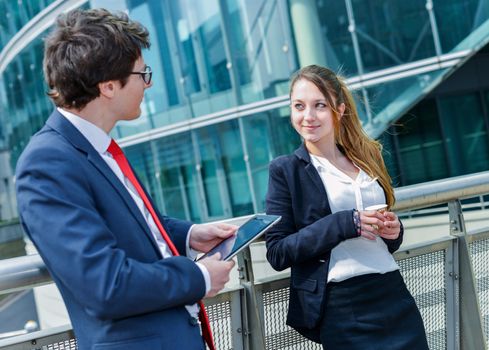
287	246
178	231
59	214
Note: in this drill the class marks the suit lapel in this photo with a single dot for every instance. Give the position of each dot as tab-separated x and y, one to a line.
313	174
65	128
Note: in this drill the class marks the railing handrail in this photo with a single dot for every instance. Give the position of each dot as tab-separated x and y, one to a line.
441	191
23	272
29	271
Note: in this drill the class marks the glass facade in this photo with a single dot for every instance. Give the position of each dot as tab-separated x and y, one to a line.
392	32
447	134
216	114
218	55
15	14
457	19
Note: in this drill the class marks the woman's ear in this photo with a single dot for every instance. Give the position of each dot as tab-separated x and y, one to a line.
341	109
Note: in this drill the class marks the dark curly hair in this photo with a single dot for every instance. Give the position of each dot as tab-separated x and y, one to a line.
88	47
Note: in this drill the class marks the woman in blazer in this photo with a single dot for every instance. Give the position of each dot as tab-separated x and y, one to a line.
346	291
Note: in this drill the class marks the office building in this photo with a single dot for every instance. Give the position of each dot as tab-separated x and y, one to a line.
218	109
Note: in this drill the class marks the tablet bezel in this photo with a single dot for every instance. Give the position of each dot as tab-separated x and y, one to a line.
276	218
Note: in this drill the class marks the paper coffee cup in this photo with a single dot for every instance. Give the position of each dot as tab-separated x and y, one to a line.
378	207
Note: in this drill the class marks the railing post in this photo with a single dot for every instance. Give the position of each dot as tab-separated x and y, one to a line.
253	330
471	331
453	306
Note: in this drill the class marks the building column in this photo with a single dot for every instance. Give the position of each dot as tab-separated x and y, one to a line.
309	38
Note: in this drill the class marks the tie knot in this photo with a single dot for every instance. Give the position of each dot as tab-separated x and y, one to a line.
114	148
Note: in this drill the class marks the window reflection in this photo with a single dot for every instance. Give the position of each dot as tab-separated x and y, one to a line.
457	19
177	176
339	46
268	135
465	133
392	32
223	170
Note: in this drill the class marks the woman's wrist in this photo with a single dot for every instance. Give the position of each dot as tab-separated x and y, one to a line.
357	224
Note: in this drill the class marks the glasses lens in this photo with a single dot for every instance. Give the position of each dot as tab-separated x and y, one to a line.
147	75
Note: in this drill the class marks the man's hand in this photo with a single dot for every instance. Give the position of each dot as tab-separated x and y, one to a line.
218	272
204	237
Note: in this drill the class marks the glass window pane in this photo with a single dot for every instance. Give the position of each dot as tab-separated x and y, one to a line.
456	19
392	32
389	152
339	46
224	170
141	159
268	135
166	167
260	39
466	133
421	150
178	178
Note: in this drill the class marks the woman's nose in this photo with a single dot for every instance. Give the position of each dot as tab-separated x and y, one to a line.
309	113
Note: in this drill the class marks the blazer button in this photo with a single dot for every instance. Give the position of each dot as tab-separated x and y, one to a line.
194	321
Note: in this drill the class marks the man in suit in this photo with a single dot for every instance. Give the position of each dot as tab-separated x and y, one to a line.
123	282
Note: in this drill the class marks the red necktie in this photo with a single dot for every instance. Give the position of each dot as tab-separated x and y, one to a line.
121	160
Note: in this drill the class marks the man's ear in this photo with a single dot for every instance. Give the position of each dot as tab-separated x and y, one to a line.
341	109
107	88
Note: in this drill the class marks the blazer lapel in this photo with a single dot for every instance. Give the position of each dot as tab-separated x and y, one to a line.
313	174
65	128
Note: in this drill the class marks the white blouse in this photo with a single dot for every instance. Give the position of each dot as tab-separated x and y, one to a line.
355	256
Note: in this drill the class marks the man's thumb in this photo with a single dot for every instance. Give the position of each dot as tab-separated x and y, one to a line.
216	256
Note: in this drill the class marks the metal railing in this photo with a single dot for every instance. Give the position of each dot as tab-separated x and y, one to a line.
448	277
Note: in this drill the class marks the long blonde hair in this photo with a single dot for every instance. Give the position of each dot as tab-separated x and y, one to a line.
349	134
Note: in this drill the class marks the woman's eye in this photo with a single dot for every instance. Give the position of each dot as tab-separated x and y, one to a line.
299	106
321	105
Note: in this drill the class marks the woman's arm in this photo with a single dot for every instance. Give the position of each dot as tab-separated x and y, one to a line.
287	245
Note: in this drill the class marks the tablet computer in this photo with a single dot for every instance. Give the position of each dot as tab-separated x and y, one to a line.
256	226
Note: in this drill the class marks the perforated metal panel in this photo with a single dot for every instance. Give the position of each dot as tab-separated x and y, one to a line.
220	318
479	253
425	278
66	345
278	334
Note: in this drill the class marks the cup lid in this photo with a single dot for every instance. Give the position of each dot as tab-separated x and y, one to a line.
377	207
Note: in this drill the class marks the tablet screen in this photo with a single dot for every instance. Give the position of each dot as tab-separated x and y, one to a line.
248	232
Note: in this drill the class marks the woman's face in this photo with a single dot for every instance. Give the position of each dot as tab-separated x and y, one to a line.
311	115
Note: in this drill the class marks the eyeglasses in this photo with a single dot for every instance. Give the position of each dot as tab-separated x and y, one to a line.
146	74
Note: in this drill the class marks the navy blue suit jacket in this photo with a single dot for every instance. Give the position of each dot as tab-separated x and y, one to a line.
119	292
305	236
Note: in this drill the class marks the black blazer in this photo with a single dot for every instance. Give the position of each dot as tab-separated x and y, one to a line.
305	236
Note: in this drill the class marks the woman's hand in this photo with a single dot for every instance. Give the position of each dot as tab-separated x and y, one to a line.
372	222
392	226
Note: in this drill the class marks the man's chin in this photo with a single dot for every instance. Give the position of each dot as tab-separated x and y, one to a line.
132	117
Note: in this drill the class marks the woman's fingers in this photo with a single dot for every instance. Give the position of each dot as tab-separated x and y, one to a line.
392	226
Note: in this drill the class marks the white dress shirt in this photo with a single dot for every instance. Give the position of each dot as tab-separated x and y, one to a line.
101	141
355	256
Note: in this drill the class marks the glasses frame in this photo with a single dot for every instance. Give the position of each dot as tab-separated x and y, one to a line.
147	74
